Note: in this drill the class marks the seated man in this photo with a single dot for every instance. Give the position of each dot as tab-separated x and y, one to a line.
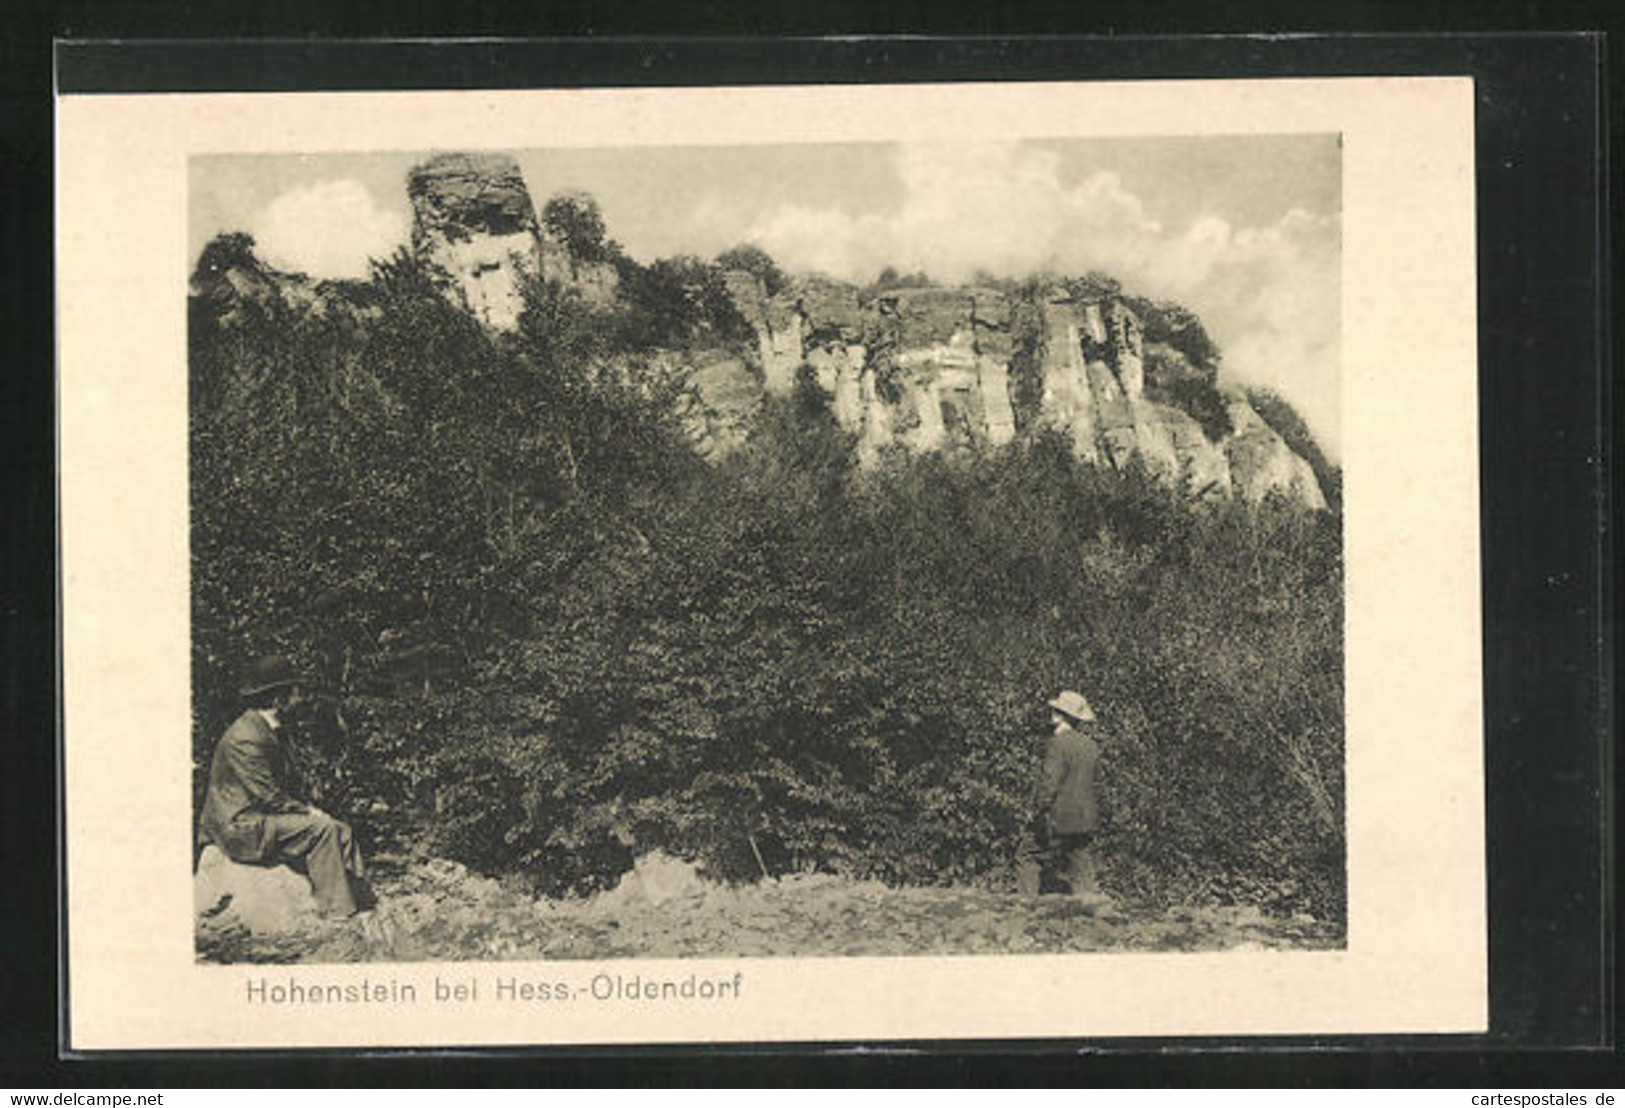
250	812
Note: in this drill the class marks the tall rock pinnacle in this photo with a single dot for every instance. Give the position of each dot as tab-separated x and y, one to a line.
474	217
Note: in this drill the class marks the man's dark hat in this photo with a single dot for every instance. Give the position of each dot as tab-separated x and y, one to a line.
273	671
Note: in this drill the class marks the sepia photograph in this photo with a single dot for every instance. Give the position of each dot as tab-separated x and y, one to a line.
770	564
832	549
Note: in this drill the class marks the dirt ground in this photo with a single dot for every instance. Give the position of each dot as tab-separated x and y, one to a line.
435	910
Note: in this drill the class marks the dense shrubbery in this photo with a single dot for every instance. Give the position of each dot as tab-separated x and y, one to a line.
673	302
565	638
889	280
669	303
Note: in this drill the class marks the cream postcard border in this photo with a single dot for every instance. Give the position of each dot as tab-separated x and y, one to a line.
1415	960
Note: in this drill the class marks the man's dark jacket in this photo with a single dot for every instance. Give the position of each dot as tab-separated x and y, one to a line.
1067	798
248	781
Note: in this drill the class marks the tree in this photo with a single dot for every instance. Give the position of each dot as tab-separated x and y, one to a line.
223	252
675	301
575	220
1094	285
555	626
753	259
1180	328
889	278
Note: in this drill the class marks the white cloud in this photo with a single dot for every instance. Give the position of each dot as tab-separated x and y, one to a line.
1268	295
1209	229
328	229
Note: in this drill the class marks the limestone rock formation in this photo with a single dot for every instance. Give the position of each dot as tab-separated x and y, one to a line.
947	352
921	368
931	367
473	216
264	899
1261	462
232	281
1093	369
721	396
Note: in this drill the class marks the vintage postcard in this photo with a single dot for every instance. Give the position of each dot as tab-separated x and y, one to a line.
770	564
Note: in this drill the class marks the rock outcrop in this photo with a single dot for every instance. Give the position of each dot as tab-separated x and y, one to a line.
1262	462
929	368
1093	371
920	368
264	899
924	368
233	282
945	353
473	216
722	396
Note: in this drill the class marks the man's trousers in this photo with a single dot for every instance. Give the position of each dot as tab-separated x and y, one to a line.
1042	860
324	850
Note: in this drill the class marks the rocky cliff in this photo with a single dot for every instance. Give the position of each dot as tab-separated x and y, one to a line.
231	280
921	368
474	217
934	367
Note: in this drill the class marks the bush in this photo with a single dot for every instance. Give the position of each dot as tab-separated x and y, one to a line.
850	676
577	223
753	259
1027	349
1201	400
1167	322
673	303
890	279
564	640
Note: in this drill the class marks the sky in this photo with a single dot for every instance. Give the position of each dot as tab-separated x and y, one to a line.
1244	230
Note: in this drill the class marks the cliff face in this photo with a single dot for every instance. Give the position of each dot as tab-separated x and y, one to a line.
925	368
473	216
931	367
920	368
1261	460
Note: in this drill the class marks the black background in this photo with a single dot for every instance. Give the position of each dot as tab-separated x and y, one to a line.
1547	420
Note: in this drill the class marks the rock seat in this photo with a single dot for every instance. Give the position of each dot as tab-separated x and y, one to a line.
264	899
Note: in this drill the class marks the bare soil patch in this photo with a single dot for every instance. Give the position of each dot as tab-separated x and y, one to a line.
435	910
